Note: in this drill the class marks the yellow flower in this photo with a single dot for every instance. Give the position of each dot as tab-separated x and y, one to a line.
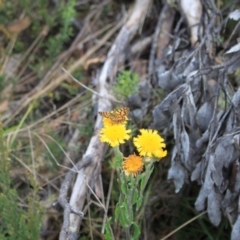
114	134
132	165
150	144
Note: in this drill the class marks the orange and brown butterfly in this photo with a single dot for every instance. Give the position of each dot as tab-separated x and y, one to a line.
116	116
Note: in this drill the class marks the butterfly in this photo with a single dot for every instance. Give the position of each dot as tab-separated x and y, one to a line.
116	116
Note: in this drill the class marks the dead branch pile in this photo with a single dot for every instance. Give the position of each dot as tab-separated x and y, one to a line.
203	109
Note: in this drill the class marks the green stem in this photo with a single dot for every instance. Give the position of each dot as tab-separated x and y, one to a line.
149	172
127	231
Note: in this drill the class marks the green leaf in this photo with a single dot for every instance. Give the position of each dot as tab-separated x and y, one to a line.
118	158
136	231
117	212
146	176
125	215
108	232
139	202
135	196
124	188
143	183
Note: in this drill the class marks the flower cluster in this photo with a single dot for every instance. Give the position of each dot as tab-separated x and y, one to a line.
149	143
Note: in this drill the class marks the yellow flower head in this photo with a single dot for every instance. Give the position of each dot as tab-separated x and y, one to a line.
114	134
132	165
150	144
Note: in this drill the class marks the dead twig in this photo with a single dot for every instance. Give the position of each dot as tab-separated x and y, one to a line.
162	15
62	199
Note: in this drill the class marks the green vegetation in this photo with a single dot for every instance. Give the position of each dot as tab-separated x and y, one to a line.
45	17
16	222
127	84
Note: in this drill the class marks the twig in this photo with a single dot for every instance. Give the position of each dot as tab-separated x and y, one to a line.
45	118
89	89
62	199
183	225
162	15
225	65
166	29
108	200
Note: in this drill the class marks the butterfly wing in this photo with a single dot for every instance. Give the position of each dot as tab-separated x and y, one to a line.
116	116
